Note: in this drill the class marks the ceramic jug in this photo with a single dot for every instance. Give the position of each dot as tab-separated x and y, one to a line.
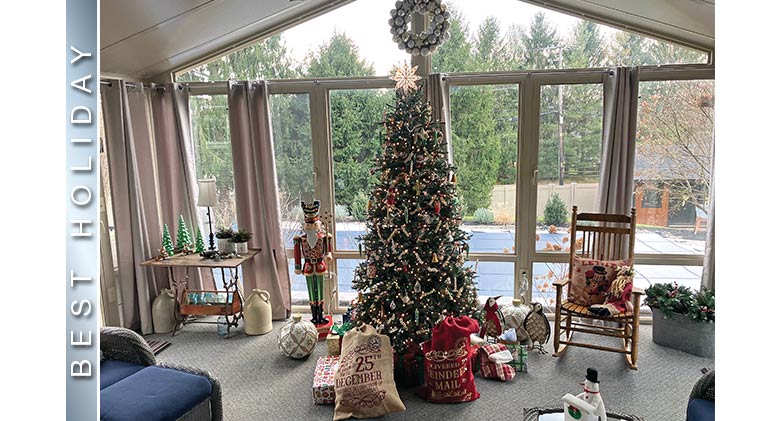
164	312
257	313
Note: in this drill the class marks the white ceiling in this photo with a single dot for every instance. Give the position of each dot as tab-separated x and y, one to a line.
144	39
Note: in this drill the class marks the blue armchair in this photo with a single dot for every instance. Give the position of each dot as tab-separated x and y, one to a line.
133	386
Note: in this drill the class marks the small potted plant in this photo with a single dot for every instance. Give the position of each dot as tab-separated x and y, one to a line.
683	319
224	235
239	241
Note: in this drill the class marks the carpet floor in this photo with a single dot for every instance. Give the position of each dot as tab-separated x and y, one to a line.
260	384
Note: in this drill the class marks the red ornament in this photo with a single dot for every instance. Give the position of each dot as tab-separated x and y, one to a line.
437	207
391	196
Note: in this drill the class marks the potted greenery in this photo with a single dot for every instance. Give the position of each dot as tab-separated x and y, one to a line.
239	241
683	319
223	239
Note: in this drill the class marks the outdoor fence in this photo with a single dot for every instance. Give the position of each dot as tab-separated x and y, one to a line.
585	196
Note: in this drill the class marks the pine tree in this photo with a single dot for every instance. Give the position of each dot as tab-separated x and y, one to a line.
415	250
200	247
183	237
167	242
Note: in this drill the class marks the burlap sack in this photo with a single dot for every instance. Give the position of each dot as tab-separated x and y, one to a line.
365	387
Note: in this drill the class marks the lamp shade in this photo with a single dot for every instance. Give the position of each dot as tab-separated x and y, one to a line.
207	192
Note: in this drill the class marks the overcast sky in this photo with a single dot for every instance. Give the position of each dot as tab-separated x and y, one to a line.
365	21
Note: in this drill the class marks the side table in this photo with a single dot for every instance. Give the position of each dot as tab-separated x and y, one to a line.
233	306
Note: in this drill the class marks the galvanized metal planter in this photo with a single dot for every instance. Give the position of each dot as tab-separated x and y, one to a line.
681	333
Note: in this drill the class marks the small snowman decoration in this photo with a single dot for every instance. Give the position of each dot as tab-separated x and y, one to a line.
588	405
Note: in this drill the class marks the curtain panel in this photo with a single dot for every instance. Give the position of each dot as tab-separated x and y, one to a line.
257	202
151	177
436	90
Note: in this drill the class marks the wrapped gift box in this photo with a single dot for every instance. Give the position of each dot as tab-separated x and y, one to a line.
323	390
334	344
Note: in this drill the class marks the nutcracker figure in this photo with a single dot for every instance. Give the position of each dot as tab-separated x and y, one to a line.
314	249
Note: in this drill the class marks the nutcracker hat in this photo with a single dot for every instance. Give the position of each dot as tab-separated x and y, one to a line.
311	211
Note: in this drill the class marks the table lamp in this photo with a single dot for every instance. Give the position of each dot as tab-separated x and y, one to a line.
207	196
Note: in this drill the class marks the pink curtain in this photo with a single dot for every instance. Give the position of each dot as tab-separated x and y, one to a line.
148	147
257	203
130	152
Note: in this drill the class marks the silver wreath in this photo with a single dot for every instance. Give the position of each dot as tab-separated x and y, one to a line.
427	41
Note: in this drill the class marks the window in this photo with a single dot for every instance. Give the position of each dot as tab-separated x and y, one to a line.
291	125
354	46
484	143
672	166
485	38
356	135
494	279
652	195
213	154
569	163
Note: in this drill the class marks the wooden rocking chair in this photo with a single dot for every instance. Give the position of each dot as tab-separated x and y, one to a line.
600	242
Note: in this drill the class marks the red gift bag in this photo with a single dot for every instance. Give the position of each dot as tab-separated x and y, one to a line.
448	354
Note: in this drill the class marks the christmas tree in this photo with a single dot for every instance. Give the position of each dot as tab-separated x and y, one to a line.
200	247
415	250
166	240
183	238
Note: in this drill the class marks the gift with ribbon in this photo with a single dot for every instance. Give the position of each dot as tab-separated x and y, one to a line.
335	337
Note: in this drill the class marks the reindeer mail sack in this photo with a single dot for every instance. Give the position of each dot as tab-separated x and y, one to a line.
364	381
448	374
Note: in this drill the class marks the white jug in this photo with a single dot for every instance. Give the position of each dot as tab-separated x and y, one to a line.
164	312
257	313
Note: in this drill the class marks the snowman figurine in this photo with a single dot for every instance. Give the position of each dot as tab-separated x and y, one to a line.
588	405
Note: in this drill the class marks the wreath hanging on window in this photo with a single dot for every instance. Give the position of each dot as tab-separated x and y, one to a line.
427	41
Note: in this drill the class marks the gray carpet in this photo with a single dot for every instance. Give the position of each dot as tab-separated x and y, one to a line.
259	383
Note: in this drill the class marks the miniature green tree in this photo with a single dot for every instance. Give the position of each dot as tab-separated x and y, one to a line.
167	242
199	246
183	237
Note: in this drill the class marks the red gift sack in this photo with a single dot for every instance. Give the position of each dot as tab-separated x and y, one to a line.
448	354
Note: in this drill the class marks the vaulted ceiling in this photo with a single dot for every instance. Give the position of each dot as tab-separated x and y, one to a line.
145	39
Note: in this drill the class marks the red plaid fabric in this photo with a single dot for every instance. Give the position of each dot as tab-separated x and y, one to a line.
493	370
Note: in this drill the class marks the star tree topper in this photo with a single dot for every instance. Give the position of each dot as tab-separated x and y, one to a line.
405	77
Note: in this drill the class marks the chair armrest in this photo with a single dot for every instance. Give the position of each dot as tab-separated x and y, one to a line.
216	387
638	291
118	343
560	282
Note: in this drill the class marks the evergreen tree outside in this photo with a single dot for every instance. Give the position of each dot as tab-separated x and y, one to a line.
415	250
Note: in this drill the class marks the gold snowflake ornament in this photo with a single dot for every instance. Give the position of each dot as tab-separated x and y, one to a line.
405	77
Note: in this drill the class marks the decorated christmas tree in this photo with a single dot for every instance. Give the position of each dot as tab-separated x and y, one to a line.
414	270
200	247
183	238
167	242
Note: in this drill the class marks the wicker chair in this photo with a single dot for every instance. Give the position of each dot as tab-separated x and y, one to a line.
128	354
603	238
701	402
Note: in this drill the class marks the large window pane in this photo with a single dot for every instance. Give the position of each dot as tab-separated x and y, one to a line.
298	289
351	41
213	154
291	123
356	134
514	35
570	134
484	142
494	279
346	269
542	290
647	275
672	169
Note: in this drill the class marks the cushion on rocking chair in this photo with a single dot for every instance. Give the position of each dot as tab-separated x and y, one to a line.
583	310
591	279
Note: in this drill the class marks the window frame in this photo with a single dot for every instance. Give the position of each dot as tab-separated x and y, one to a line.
529	84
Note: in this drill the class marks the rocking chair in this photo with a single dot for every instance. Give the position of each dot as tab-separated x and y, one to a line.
603	239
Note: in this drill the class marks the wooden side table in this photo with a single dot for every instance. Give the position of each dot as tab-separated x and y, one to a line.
233	306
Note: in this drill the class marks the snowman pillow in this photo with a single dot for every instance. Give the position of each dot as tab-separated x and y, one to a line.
591	279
